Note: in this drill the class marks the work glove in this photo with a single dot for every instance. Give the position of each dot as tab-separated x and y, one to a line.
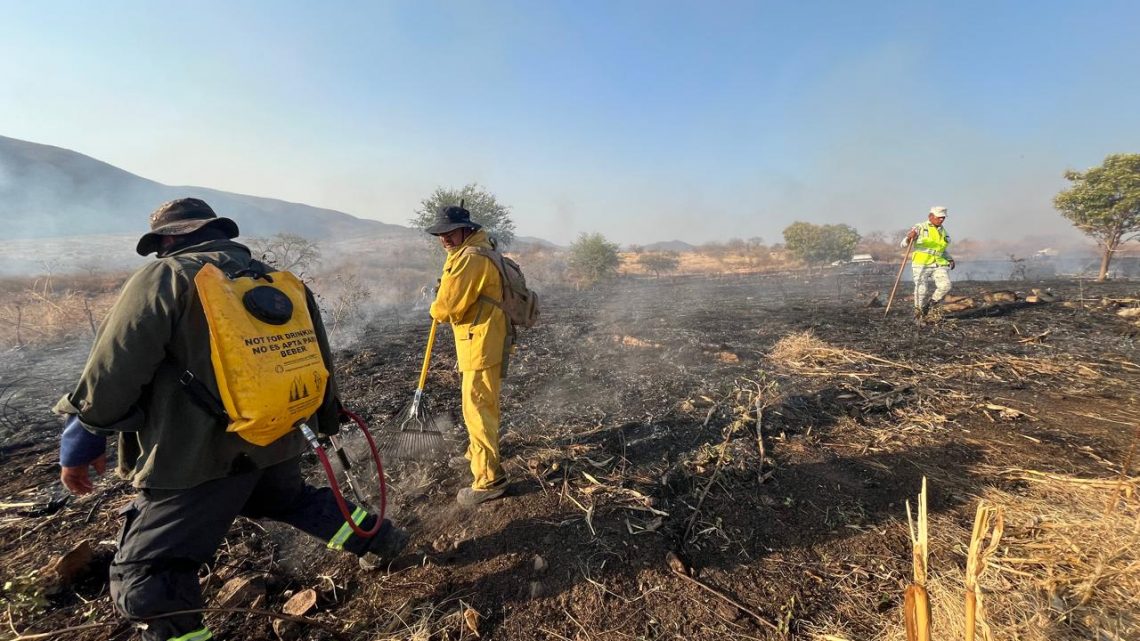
78	451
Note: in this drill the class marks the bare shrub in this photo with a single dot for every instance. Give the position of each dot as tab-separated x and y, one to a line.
287	252
345	298
544	267
659	263
713	249
32	318
48	309
1017	268
395	275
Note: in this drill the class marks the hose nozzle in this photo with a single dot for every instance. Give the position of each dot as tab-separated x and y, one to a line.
309	435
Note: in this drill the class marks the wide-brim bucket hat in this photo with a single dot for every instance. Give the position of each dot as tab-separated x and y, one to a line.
182	216
450	218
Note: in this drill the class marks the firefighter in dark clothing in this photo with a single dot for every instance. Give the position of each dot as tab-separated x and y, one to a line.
194	477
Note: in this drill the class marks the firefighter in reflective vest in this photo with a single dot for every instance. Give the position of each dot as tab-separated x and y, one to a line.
931	263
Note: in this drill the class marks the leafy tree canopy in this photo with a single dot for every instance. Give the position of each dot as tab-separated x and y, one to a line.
592	258
485	209
1104	203
818	244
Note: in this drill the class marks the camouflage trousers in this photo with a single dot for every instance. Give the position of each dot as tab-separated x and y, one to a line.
925	276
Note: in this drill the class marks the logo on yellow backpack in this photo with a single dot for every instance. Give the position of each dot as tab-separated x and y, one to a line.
264	349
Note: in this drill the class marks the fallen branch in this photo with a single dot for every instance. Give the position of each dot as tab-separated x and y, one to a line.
727	599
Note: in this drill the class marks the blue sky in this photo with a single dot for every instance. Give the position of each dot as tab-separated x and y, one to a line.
640	120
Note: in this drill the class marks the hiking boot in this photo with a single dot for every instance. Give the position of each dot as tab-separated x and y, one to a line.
385	547
470	497
934	311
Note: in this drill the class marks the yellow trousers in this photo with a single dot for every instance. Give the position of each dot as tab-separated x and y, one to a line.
481	414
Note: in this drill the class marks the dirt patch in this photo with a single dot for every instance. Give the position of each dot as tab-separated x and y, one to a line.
764	430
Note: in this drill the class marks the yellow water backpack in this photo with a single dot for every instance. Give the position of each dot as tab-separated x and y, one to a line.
263	345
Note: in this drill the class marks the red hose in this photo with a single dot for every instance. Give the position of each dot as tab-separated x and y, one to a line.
339	496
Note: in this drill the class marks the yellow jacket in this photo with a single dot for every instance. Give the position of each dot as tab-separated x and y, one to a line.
480	327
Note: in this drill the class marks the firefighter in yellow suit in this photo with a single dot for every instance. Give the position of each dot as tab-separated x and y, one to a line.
469	297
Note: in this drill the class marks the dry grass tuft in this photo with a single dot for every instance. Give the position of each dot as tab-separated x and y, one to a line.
35	318
799	348
804	353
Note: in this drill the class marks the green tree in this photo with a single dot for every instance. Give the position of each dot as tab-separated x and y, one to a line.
287	252
485	209
1104	203
658	262
819	244
592	258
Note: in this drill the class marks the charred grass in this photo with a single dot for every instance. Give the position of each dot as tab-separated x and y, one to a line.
694	458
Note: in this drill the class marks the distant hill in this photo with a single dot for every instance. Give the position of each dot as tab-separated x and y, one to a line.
670	246
50	192
531	243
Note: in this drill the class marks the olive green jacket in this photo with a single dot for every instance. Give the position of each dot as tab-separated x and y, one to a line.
131	386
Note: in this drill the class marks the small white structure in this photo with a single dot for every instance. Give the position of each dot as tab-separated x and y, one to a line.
862	258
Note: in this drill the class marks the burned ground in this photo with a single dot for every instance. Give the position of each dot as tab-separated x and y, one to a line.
764	430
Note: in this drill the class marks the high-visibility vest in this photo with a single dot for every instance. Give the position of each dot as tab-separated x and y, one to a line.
930	245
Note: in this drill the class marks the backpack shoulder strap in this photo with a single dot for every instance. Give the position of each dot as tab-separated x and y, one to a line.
485	252
198	391
497	260
494	256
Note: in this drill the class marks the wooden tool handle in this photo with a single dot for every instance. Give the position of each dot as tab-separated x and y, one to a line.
906	257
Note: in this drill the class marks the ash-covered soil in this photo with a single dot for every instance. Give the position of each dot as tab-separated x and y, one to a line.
764	431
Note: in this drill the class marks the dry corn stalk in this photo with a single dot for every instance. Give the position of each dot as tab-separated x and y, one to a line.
1124	472
916	603
987	522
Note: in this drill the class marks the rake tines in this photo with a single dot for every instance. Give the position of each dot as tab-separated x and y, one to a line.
419	436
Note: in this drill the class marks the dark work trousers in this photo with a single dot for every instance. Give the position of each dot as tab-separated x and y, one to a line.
169	534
